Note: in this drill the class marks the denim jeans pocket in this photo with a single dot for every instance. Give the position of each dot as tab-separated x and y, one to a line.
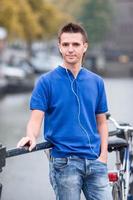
60	163
99	161
99	167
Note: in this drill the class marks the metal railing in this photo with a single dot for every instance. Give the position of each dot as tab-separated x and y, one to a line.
4	154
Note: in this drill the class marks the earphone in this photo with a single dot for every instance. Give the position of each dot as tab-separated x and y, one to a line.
78	100
85	49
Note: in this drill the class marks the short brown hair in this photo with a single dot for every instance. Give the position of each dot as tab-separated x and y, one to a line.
73	28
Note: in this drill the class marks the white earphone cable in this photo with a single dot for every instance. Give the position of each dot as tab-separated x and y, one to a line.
84	130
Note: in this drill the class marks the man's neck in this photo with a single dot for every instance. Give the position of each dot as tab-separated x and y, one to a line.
73	68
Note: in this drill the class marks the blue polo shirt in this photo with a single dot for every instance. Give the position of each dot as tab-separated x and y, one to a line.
71	105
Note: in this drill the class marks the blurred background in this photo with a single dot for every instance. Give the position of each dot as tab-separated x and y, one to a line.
28	48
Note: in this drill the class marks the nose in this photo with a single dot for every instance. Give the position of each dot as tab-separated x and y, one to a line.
70	48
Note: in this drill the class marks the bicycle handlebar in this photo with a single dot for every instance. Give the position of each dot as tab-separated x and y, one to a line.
124	127
115	132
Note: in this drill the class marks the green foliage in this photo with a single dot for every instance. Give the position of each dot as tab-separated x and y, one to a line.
72	7
30	19
95	17
38	19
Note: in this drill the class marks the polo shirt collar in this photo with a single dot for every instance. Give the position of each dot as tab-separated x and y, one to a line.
63	70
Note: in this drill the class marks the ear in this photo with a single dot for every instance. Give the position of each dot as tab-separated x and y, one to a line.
59	47
85	47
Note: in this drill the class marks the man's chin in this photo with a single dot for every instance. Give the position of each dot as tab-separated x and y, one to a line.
71	61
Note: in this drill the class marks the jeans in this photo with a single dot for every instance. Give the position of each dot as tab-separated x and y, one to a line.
68	176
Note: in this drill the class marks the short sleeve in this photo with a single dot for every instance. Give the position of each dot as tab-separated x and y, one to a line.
101	106
39	97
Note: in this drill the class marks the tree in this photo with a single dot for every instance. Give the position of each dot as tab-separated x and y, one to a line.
38	19
49	16
95	17
30	19
72	7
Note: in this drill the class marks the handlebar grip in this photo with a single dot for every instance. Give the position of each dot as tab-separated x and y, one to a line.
115	132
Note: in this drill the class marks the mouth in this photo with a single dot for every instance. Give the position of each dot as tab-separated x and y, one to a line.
71	56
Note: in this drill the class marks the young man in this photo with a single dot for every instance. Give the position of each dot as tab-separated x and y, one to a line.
73	101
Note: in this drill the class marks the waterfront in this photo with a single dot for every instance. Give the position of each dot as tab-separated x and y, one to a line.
26	177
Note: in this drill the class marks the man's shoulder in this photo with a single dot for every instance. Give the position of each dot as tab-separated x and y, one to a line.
46	79
92	75
48	75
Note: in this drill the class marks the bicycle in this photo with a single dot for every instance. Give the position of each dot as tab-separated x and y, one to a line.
121	142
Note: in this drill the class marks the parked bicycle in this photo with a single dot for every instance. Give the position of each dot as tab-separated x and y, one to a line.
121	142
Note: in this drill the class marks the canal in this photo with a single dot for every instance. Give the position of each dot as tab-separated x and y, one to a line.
26	177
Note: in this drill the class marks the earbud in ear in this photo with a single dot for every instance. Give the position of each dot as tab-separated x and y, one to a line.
85	50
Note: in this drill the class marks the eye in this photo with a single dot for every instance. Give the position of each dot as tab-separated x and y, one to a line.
65	44
76	44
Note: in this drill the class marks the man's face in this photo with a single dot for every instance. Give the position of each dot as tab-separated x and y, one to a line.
72	48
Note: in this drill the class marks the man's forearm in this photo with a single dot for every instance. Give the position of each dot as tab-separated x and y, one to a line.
34	124
103	131
33	130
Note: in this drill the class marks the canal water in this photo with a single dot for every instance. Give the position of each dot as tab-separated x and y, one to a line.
26	177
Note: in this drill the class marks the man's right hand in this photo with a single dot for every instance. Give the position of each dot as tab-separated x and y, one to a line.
27	141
